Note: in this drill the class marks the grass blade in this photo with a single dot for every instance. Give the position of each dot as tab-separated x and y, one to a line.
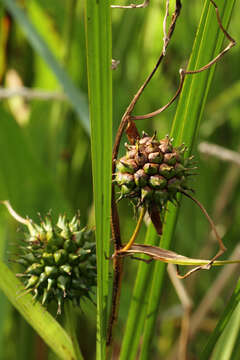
224	320
138	307
76	98
45	325
98	30
225	345
207	44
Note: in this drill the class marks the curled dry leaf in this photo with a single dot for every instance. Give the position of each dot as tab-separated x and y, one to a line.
171	257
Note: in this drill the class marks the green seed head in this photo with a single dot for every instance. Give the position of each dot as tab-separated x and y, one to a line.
58	259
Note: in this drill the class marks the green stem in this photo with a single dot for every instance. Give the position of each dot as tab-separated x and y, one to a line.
70	325
136	231
117	281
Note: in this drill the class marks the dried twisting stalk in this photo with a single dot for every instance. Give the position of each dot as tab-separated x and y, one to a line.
169	257
127	124
115	225
222	248
183	73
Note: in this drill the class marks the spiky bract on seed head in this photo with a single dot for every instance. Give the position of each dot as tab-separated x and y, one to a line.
59	261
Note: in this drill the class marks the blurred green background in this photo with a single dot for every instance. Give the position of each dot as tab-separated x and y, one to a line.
45	154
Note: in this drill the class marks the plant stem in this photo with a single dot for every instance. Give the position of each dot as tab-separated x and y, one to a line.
115	225
70	325
136	231
117	281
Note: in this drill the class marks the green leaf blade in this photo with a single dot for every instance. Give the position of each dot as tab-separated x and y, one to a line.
98	29
187	119
207	44
224	320
138	307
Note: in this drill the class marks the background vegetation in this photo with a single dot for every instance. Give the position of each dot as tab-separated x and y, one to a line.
45	154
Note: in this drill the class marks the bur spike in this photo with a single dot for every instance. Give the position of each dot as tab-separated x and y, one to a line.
49	253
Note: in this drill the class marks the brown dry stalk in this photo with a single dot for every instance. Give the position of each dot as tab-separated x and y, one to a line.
115	224
222	248
116	292
129	127
183	73
126	119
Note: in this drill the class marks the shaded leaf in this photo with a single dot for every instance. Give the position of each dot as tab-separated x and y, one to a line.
37	316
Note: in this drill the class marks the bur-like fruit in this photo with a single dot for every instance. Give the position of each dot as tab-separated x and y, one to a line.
59	261
153	171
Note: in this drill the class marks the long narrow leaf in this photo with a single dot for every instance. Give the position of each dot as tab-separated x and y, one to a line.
138	305
224	320
98	30
226	342
52	333
191	104
76	98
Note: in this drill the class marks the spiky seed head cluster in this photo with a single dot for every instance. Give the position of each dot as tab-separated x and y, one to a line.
59	261
152	171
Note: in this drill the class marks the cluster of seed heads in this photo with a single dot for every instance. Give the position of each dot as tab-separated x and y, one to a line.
153	171
59	261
